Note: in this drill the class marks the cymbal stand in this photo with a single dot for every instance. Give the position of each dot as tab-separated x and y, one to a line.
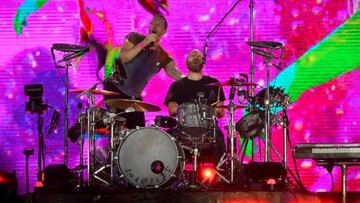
91	136
81	122
196	154
111	119
268	62
232	139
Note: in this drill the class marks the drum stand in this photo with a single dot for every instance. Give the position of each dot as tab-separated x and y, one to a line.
232	157
196	154
80	121
111	119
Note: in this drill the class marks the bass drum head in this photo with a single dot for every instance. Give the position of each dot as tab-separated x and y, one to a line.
149	158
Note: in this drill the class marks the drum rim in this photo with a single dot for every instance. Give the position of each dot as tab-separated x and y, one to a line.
180	155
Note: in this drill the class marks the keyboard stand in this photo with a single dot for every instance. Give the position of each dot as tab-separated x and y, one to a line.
343	165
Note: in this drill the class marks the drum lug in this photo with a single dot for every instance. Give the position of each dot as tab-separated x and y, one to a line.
156	186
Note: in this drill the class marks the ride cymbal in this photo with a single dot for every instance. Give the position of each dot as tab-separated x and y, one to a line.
95	91
137	105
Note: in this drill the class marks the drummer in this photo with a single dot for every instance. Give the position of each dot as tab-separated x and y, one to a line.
194	87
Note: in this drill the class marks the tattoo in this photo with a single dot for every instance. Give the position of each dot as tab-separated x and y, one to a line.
172	71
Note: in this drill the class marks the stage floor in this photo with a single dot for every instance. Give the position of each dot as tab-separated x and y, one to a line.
188	196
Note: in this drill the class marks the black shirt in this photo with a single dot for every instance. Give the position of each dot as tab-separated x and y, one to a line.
186	90
143	67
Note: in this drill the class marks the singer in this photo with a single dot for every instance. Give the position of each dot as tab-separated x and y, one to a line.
141	57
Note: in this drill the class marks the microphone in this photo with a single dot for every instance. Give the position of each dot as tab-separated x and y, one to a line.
152	44
200	95
54	122
79	105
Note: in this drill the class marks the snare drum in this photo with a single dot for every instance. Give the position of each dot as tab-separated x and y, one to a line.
191	114
150	158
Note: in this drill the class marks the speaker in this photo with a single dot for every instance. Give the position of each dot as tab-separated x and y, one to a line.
266	176
58	177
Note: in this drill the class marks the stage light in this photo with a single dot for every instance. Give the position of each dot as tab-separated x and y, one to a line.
208	174
39	184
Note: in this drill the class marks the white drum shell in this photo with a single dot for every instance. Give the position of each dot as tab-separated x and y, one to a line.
142	147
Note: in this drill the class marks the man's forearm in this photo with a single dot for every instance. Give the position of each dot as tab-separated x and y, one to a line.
173	72
127	55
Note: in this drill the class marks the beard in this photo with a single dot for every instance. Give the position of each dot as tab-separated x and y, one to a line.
195	67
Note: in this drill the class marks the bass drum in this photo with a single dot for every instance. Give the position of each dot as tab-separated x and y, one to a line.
151	158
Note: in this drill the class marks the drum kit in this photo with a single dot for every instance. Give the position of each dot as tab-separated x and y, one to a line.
155	156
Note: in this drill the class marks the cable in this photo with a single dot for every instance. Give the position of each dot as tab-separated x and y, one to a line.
297	178
332	182
217	26
215	29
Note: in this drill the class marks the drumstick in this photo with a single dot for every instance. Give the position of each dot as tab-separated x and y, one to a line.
218	97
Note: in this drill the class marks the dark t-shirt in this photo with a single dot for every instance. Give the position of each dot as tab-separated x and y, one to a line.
143	67
186	90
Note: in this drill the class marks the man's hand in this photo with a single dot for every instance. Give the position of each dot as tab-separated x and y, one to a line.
219	112
150	38
172	107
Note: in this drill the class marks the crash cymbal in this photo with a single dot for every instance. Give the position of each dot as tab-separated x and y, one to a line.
137	105
232	83
235	107
96	91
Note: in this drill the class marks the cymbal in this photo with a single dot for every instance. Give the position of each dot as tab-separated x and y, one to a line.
265	44
139	106
96	91
232	83
235	107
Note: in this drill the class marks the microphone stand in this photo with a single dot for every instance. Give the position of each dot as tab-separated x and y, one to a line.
67	59
252	66
268	62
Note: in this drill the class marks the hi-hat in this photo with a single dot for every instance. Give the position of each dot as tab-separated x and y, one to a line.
96	91
137	105
227	107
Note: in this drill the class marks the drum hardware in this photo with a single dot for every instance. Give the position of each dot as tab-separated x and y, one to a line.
112	120
27	153
109	119
233	82
165	121
81	120
70	52
268	57
231	126
196	154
